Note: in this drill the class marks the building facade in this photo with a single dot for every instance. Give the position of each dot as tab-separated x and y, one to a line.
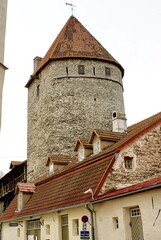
3	14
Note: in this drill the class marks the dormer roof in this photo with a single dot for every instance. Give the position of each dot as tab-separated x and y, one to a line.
75	41
84	142
25	188
60	159
106	135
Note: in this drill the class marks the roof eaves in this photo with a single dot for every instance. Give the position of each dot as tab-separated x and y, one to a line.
104	176
50	211
127	193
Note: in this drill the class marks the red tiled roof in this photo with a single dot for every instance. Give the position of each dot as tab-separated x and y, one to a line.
74	41
143	186
62	190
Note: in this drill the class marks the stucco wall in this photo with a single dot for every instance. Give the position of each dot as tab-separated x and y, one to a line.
146	153
52	219
69	106
149	204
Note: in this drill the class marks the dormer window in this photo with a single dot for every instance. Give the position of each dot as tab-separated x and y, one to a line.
96	147
81	154
24	192
20	201
51	168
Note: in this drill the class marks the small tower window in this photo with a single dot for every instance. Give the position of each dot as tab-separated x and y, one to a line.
128	163
81	69
38	90
107	71
94	71
67	72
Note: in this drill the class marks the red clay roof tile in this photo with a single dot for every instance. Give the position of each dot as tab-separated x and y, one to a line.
61	191
74	41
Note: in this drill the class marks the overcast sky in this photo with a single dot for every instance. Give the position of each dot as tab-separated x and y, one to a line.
130	30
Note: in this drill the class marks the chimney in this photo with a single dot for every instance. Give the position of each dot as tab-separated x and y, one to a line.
37	60
119	122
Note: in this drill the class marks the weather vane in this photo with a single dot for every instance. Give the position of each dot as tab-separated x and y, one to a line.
71	5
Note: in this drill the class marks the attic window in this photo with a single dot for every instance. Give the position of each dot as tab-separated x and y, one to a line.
20	201
128	163
51	168
81	69
81	154
107	71
96	147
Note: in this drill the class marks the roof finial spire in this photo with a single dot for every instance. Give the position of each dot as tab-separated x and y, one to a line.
72	6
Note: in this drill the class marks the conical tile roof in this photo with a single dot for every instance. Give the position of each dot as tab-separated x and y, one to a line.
75	41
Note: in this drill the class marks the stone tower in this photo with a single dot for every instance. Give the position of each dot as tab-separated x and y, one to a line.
76	87
3	13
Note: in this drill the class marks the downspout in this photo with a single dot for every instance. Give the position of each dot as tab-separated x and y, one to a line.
92	221
0	231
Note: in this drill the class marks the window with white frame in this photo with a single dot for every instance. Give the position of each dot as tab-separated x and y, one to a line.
51	168
33	229
81	154
135	212
64	226
96	147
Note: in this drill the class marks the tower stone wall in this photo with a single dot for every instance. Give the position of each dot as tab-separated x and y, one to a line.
64	105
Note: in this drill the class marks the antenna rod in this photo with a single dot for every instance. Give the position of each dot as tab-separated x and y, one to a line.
71	5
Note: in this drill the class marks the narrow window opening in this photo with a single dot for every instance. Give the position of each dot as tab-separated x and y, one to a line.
94	71
67	72
115	223
95	99
75	227
47	229
107	71
18	232
38	90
